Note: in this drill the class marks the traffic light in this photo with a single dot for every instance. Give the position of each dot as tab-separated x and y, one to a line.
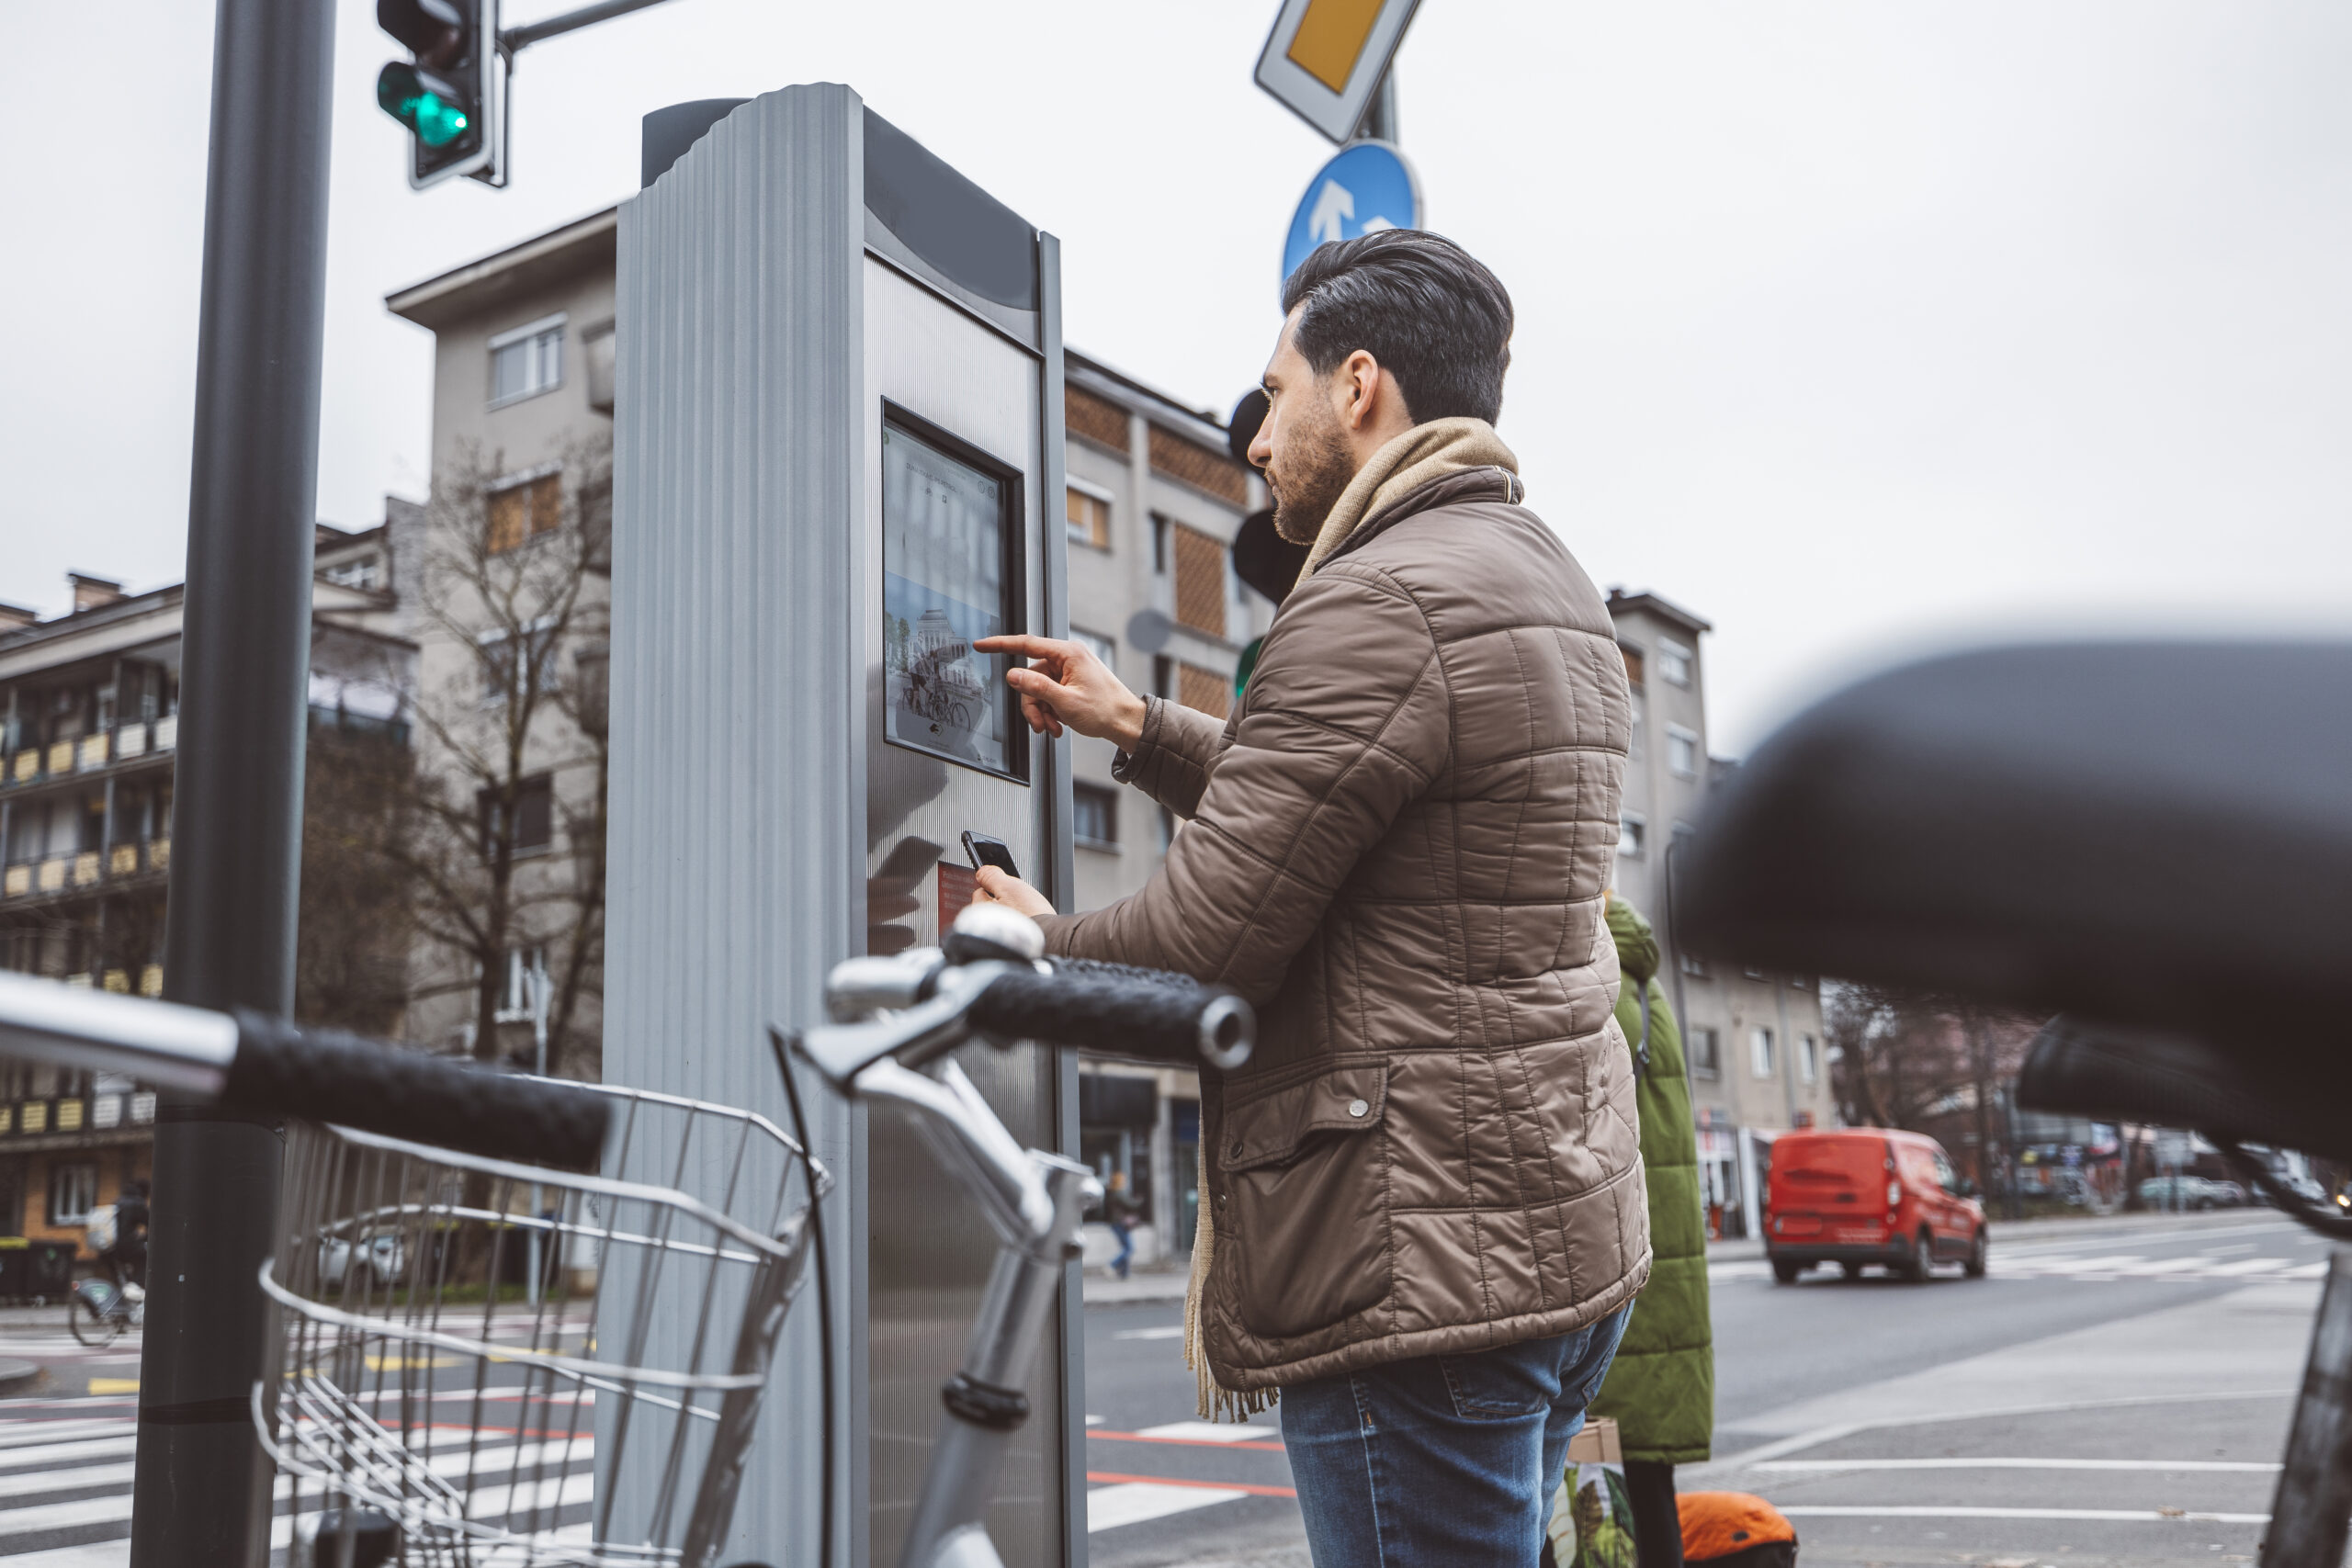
451	95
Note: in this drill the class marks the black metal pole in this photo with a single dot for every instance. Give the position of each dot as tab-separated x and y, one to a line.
202	1493
2313	1507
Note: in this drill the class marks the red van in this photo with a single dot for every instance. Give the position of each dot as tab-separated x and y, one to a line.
1855	1196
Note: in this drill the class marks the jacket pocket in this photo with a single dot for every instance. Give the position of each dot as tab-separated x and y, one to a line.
1304	1168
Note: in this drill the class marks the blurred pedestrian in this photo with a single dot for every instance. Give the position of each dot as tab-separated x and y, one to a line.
1124	1210
1661	1389
1422	1212
126	1258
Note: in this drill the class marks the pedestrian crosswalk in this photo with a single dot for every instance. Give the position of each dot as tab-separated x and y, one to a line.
2095	1268
65	1489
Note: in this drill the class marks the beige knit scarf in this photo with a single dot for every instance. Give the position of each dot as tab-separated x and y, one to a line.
1426	452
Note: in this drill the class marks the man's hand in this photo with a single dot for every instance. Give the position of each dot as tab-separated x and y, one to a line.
998	887
1065	684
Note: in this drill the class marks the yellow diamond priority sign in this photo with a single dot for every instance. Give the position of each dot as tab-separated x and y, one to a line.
1324	58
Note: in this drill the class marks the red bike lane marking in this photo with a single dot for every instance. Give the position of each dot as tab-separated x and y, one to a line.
1114	1478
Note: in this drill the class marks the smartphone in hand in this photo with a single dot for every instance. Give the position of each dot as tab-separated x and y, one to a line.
984	850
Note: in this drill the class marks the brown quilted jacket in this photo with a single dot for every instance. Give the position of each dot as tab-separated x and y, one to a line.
1398	849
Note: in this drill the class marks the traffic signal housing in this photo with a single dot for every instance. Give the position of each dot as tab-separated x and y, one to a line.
451	93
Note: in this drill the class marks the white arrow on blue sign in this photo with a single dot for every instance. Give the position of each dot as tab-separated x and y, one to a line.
1366	187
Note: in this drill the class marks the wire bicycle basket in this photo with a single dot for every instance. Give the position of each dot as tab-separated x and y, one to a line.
490	1362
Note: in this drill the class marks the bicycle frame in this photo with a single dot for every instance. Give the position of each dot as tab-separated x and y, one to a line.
1034	1200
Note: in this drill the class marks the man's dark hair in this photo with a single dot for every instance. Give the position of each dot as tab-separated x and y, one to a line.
1425	308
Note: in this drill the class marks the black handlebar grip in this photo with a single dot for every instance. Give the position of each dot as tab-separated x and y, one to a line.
1143	1014
324	1075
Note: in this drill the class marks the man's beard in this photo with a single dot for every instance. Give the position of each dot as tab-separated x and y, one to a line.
1314	473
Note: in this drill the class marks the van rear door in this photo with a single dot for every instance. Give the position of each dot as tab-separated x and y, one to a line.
1822	1184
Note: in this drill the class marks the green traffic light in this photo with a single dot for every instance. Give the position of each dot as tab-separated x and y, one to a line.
423	104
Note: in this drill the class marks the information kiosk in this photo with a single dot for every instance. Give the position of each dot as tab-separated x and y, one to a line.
838	459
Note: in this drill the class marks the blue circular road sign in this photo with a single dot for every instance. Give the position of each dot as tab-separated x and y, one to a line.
1367	186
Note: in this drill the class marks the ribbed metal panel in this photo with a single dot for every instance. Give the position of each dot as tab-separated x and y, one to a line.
737	855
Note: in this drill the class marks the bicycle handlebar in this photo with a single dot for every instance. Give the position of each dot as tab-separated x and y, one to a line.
1145	1014
327	1076
930	1006
270	1066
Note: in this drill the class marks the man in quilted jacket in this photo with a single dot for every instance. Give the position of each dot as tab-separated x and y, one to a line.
1423	1211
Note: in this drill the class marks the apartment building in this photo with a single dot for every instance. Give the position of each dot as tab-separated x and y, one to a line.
89	731
522	435
1754	1039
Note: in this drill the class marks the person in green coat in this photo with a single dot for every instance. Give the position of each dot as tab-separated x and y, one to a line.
1661	1388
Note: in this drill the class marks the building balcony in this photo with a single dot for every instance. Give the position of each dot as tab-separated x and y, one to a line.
91	754
23	1119
58	874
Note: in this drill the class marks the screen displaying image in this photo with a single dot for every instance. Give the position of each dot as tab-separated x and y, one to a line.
943	586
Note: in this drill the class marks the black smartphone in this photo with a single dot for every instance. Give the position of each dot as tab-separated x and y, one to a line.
983	850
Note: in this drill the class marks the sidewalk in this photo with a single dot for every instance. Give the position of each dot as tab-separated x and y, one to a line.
1162	1282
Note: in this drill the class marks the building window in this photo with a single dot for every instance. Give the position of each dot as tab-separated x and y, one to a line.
1692	965
1759	1052
1159	526
1633	664
526	361
1633	749
1674	662
1102	647
1088	510
1201	591
1633	833
1706	1053
73	1193
514	987
507	663
1809	1058
534	817
366	573
522	511
1203	691
1681	751
1094	816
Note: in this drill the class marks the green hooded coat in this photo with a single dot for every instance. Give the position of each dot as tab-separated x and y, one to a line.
1661	1388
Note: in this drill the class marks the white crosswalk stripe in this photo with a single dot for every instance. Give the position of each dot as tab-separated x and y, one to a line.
2093	1268
65	1488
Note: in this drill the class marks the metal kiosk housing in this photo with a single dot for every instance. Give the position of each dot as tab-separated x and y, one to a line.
825	331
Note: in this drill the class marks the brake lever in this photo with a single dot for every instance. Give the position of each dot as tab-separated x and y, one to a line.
914	1035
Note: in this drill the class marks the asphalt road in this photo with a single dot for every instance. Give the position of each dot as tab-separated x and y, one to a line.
2115	1393
2138	1368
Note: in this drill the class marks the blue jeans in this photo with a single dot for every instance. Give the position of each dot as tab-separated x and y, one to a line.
1446	1461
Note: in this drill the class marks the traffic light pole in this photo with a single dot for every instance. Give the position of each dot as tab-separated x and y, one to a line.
530	33
202	1493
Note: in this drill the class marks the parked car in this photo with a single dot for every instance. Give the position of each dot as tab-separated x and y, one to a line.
1855	1196
381	1255
2194	1193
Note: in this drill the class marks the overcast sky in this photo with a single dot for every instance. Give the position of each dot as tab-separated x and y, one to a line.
1853	327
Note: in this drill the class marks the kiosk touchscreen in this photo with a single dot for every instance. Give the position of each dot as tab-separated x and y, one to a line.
949	565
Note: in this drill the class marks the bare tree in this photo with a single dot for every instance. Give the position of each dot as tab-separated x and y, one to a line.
1927	1064
514	620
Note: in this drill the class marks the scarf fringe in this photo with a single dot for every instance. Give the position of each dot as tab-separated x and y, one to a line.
1217	1402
